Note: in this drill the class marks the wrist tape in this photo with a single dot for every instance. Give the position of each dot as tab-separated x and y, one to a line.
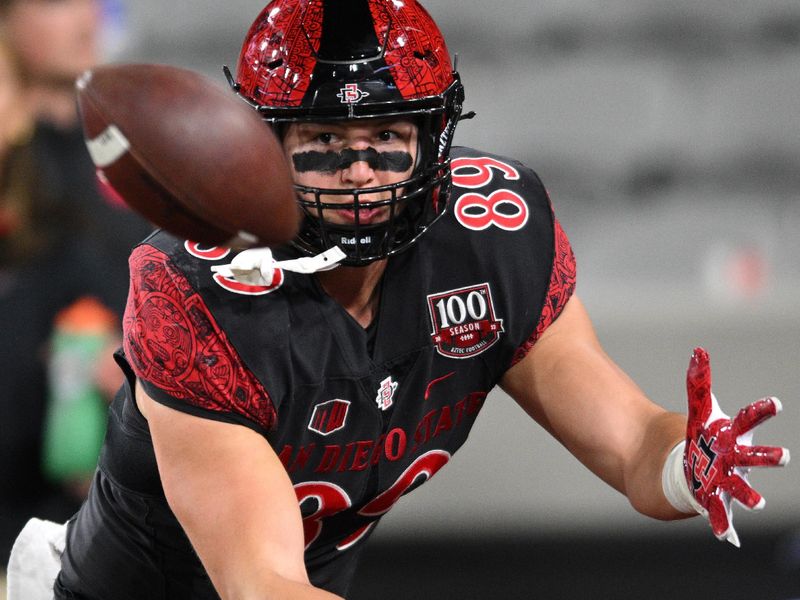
673	482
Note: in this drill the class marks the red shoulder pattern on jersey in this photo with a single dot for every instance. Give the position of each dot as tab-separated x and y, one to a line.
562	285
172	341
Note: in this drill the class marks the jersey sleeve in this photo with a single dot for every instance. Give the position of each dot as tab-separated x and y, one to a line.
559	291
180	354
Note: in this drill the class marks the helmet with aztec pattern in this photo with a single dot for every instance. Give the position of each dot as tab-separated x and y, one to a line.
320	60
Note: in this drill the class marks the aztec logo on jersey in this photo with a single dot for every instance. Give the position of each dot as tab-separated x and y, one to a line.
464	323
329	416
385	397
228	283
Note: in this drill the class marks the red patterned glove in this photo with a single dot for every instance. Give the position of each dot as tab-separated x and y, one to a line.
719	451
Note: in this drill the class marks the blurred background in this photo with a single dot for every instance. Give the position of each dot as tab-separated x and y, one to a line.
668	135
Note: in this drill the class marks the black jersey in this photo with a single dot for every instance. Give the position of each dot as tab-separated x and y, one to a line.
357	417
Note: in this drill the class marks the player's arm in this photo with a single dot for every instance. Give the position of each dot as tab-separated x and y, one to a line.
235	501
571	387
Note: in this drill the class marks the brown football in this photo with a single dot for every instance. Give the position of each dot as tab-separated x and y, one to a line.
188	155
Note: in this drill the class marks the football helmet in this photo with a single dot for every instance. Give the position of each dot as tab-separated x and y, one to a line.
320	60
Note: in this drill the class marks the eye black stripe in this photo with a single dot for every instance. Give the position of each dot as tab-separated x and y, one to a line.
330	162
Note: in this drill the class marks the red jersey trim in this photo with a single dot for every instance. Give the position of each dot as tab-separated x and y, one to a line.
562	286
173	342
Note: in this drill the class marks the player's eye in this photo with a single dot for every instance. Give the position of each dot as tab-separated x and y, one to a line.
387	135
325	138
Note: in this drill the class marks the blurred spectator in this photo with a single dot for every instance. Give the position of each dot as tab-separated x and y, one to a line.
29	241
61	240
56	41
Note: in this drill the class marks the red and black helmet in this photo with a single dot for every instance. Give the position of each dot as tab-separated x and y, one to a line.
318	60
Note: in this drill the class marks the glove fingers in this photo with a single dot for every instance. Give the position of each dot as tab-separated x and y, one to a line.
740	490
698	387
719	519
761	456
755	414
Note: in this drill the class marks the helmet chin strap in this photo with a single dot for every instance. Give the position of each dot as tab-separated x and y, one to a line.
256	266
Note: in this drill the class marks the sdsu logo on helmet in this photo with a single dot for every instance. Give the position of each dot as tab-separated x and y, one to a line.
350	94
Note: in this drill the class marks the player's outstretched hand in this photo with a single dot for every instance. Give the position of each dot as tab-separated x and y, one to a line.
719	451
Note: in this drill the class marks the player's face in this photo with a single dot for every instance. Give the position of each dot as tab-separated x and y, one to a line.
56	39
345	155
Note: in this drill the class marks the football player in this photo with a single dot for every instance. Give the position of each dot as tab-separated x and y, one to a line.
271	417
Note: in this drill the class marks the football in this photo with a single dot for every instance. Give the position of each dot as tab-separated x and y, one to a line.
188	155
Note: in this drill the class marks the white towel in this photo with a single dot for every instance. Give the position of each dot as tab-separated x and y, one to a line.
36	560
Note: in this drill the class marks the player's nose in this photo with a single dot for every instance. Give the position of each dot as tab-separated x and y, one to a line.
359	172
